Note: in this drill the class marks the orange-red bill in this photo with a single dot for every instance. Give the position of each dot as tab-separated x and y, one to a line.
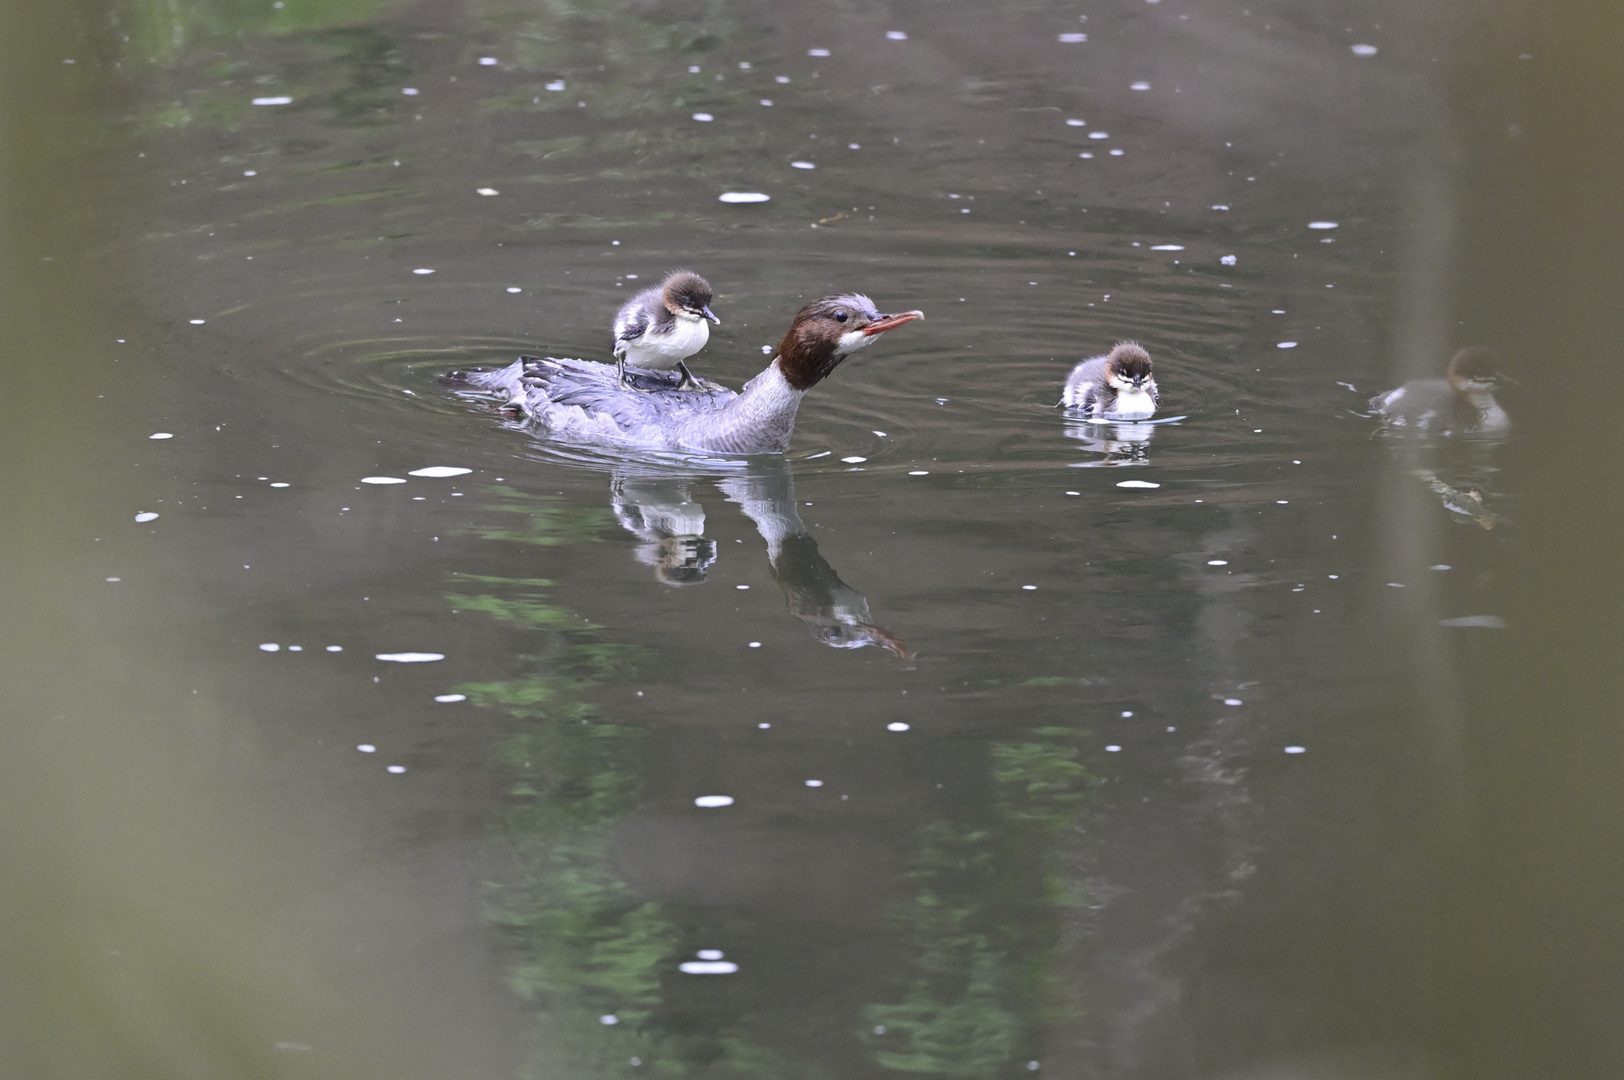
891	322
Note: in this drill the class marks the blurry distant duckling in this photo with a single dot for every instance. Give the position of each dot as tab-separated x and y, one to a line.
1117	386
1462	404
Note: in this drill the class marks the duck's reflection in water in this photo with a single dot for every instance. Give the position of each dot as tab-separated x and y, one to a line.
1120	443
660	510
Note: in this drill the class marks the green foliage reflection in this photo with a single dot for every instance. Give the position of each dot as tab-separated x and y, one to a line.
985	920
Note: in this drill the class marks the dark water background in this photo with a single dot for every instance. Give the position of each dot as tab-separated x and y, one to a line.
1193	783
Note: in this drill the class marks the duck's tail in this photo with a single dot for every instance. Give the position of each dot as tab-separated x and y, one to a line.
507	381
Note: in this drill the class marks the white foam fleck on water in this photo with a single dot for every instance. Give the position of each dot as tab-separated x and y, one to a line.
896	35
609	1018
446	698
1127	714
1440	566
161	435
409	91
196	322
270	646
146	515
366	748
1233	701
1480	622
1167	247
767	103
441	470
802	165
755	644
514	289
1286	345
1074	493
487	61
273	101
1085	154
383	480
710	954
295	648
1296	749
410	657
814	783
486	191
1113	748
1073	38
708	967
1363	50
711	801
896	725
1139	86
1099	134
396	769
704	117
1217	562
1029	588
281	483
1137	484
919	472
741	587
1116	153
817	52
854	459
556	85
764	725
1076	123
112	579
1322	224
743	197
423	270
1228	260
780	78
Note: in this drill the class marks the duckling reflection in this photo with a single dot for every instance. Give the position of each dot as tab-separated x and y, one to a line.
1119	443
660	510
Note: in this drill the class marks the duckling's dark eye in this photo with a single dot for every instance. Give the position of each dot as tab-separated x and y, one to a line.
840	316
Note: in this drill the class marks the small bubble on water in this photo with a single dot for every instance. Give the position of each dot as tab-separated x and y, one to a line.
1296	749
1073	38
1139	86
335	648
817	52
896	35
1113	749
270	646
161	435
814	783
609	1018
396	769
897	725
1363	50
1127	714
446	698
366	748
145	516
712	801
1217	562
704	117
1286	345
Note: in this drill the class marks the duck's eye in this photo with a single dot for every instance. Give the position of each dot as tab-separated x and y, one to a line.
840	316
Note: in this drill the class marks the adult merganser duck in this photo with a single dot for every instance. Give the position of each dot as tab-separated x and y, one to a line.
1118	386
1461	404
661	327
583	402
